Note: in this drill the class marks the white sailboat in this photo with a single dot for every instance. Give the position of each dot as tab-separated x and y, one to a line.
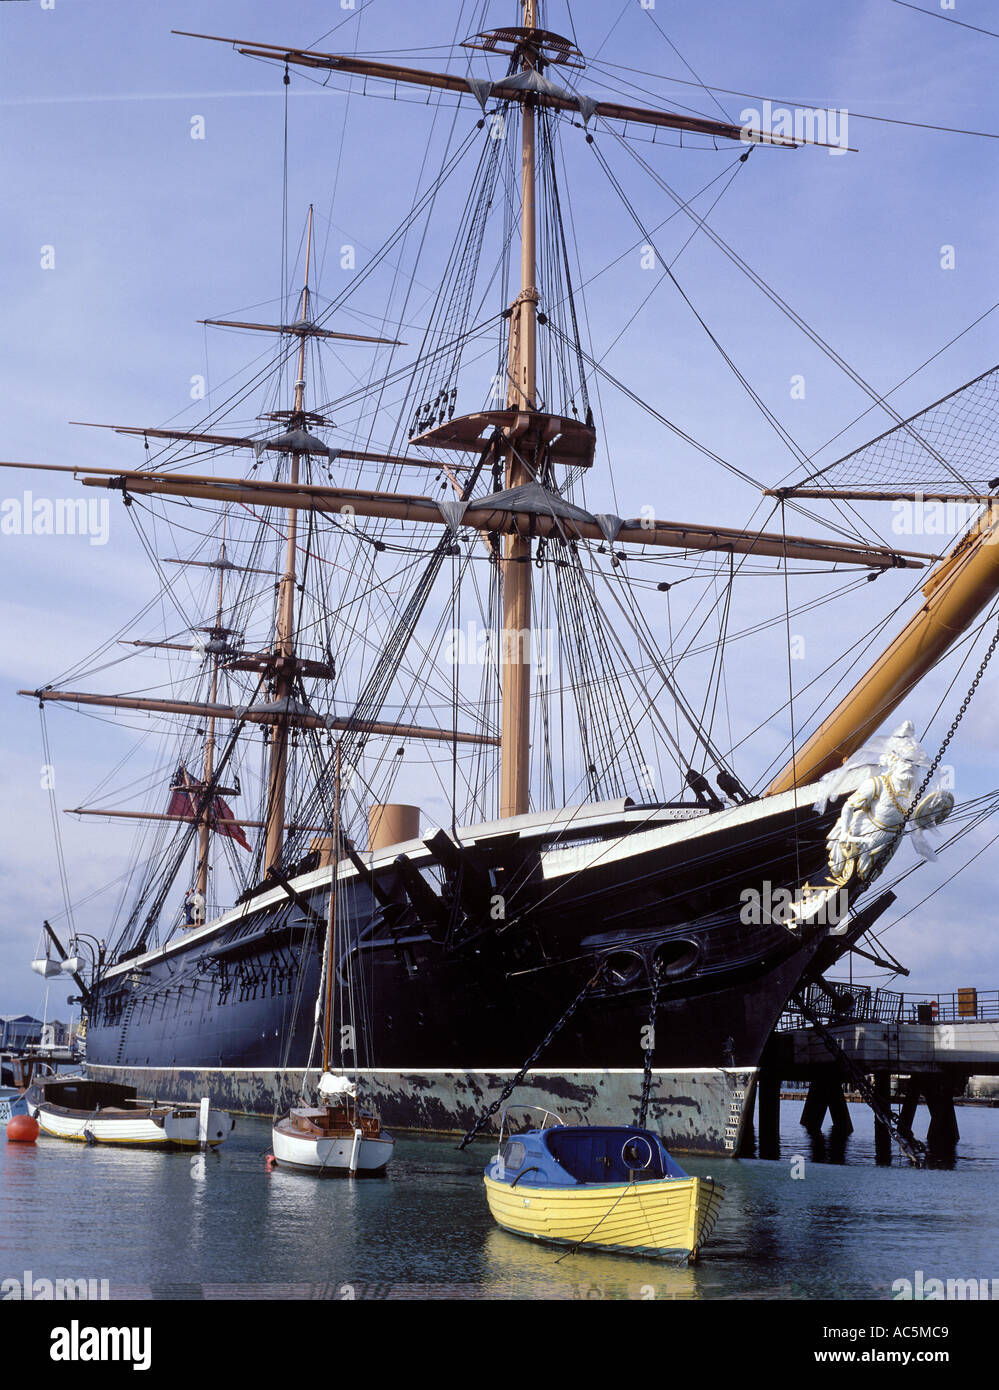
337	1136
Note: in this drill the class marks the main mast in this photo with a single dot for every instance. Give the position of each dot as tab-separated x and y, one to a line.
515	748
284	646
526	435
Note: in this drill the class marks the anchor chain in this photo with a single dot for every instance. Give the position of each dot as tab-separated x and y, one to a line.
647	1077
912	1147
511	1086
950	734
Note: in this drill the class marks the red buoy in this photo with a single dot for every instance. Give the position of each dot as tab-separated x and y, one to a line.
22	1129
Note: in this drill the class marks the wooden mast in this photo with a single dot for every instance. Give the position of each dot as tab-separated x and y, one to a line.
515	753
331	916
534	48
284	647
204	827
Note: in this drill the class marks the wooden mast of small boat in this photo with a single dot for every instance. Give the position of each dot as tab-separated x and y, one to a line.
515	683
331	915
284	647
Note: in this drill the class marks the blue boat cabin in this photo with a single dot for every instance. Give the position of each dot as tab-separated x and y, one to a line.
574	1155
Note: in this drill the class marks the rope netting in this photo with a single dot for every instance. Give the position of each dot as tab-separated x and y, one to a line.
952	444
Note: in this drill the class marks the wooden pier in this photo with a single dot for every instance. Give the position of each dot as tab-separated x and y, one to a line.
909	1049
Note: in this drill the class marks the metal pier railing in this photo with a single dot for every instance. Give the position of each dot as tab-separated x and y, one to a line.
843	1002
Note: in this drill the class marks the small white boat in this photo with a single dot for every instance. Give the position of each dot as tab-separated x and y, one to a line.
334	1138
98	1112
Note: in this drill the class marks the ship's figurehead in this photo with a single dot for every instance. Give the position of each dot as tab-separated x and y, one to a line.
872	821
875	816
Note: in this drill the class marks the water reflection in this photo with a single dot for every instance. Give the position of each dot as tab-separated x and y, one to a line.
831	1147
514	1267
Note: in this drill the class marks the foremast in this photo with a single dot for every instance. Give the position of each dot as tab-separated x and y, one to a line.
284	638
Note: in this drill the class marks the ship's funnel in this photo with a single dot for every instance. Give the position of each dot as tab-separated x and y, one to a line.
392	824
323	846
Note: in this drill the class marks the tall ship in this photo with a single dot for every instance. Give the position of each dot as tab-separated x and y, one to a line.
402	570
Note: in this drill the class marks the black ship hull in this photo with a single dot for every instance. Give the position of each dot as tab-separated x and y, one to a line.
463	953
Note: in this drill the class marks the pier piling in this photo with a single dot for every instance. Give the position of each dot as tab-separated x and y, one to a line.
882	1134
768	1090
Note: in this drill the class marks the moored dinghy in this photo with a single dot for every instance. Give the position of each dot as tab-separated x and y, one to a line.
611	1187
99	1112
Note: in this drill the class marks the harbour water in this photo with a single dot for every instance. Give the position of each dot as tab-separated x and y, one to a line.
220	1226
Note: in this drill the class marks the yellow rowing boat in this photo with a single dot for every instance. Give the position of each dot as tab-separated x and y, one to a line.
606	1187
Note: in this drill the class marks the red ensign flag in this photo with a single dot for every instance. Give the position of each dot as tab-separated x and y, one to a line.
183	803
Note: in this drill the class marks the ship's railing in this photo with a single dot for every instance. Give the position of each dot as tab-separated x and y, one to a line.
847	1003
212	911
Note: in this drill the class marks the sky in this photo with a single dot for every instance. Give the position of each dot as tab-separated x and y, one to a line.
143	175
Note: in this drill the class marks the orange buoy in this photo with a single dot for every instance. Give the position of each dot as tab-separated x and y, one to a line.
269	1162
22	1129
